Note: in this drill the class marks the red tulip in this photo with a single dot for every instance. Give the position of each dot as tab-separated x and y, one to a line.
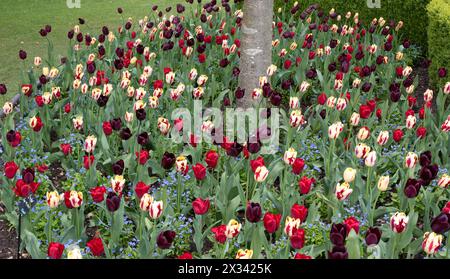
211	158
298	239
67	108
14	138
299	256
107	128
10	169
398	135
96	246
365	111
142	156
141	189
200	206
421	132
185	256
55	250
298	165
199	171
299	212
271	222
39	101
351	224
258	162
98	193
23	190
66	148
305	184
321	100
88	161
219	233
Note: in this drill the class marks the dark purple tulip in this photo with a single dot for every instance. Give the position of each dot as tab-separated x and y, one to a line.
380	59
120	10
180	8
168	160
388	46
395	96
128	25
105	30
332	67
79	37
338	253
22	54
112	202
165	239
70	34
28	175
311	73
3	89
239	93
254	147
226	102
81	21
412	188
118	64
48	28
359	55
11	136
101	50
120	52
425	158
141	114
366	86
116	124
42	32
118	167
102	100
125	134
91	67
275	99
43	79
442	72
142	138
373	236
223	63
406	43
441	224
236	71
253	212
235	150
338	234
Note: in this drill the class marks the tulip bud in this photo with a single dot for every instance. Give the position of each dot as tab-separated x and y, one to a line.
253	212
233	228
354	120
74	252
431	242
117	184
383	137
156	209
343	190
383	183
289	156
371	159
291	225
244	254
411	160
411	121
363	133
8	108
335	129
52	199
362	150
349	175
398	222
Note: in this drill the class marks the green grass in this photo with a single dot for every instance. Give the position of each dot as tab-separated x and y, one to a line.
21	21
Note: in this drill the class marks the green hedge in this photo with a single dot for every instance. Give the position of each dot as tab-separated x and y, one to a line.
411	12
438	38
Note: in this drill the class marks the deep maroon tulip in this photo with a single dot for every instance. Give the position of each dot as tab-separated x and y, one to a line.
168	160
253	212
275	99
102	100
125	134
165	239
235	150
441	223
442	72
373	236
338	234
22	54
3	89
42	32
70	34
338	253
254	147
112	202
141	114
116	124
120	10
412	188
118	167
425	158
239	93
28	175
142	138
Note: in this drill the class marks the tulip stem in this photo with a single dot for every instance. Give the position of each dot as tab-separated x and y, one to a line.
49	227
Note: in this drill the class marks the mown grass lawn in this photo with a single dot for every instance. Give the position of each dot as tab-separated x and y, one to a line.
21	20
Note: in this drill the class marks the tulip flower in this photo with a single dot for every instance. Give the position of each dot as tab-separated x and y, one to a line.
232	229
351	224
305	184
73	199
371	159
441	223
338	234
398	222
90	143
411	160
23	189
253	212
335	130
338	253
431	242
289	156
342	191
299	212
199	171
354	119
112	202
291	225
145	202
363	133
211	158
165	239
36	123
373	236
244	254
200	206
349	175
156	209
271	222
444	181
181	164
10	169
55	250
117	183
53	199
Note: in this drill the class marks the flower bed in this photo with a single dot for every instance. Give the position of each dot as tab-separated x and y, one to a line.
95	167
